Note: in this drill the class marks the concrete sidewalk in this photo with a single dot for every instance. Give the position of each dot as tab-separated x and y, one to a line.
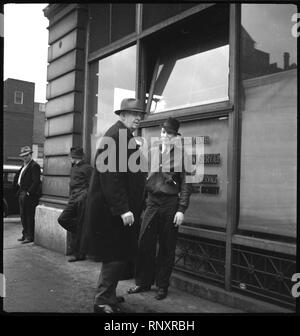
43	281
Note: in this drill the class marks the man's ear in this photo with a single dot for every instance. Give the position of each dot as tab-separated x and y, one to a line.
122	115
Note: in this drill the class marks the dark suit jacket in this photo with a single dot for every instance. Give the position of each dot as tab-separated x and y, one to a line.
30	180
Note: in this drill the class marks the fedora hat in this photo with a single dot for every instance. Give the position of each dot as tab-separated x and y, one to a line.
131	104
171	125
25	151
76	153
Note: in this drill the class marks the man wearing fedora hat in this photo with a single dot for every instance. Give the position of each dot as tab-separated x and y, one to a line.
27	183
168	198
114	205
72	217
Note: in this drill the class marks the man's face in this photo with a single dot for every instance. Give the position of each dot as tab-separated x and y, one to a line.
132	119
165	136
26	158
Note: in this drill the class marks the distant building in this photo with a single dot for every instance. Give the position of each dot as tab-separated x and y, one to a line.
23	121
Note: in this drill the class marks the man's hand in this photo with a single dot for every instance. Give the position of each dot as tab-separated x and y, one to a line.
128	218
178	218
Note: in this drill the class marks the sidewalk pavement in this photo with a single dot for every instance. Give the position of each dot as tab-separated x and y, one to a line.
42	281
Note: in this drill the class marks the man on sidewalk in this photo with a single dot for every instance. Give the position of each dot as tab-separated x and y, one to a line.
27	183
114	205
72	218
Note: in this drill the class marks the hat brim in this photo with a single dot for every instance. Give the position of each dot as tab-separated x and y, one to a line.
173	132
131	110
26	153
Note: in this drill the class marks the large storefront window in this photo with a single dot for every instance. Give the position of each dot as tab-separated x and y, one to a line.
111	82
195	78
192	63
269	118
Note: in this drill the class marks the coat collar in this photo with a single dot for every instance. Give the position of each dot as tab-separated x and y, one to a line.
120	125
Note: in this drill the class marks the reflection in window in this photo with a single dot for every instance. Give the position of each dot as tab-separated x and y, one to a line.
110	82
269	119
191	79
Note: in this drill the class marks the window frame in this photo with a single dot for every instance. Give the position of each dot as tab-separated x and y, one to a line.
15	97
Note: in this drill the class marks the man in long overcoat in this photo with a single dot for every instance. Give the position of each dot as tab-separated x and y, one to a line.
72	217
114	204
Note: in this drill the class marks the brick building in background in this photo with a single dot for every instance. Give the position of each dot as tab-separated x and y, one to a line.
23	121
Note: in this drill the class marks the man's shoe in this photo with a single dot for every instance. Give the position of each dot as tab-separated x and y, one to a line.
21	239
106	309
138	289
76	258
27	240
161	294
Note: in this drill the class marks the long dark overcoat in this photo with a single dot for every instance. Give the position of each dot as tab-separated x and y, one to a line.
110	195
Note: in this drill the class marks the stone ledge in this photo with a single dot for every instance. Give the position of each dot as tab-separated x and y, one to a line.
48	233
217	294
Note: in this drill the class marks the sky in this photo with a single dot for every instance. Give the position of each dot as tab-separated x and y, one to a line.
26	45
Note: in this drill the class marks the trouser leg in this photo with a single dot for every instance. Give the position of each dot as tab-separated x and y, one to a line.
109	277
78	246
167	245
22	197
145	263
30	212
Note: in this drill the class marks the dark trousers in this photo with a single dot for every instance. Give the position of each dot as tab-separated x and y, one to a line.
72	219
27	207
157	229
110	274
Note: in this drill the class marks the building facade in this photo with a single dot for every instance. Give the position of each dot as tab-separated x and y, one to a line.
23	121
228	72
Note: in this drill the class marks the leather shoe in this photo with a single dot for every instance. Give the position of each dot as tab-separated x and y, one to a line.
106	309
21	239
76	258
26	241
161	294
138	289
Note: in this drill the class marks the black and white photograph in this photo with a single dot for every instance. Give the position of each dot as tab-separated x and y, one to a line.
150	161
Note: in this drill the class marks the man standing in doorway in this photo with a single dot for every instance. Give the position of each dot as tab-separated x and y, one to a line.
72	218
27	182
114	205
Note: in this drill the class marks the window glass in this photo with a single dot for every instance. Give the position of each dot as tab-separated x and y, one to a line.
99	22
156	13
110	82
122	20
110	22
197	79
208	202
192	62
18	97
269	119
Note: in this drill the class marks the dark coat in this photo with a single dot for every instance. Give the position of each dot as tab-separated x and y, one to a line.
30	180
172	182
110	195
80	178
